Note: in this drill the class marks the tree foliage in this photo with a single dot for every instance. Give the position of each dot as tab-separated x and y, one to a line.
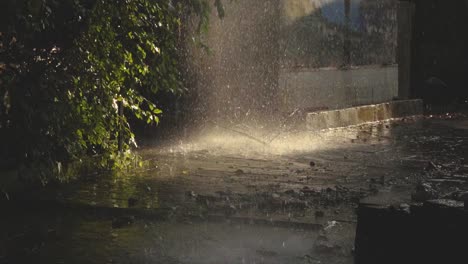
66	66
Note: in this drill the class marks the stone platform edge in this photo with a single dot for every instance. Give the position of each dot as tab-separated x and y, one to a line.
364	114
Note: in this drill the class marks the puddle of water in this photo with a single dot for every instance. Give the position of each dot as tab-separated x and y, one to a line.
71	238
251	143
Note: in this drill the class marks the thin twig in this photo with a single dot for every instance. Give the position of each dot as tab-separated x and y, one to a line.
241	133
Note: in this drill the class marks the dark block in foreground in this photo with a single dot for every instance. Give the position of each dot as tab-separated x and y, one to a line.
433	232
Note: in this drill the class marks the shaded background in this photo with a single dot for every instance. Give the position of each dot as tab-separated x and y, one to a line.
440	49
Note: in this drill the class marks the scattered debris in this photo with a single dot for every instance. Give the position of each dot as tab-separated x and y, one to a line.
191	194
424	192
330	225
444	203
432	166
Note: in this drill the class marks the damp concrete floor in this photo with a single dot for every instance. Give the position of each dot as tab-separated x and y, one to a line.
222	197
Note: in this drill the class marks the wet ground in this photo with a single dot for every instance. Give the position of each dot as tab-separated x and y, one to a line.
224	197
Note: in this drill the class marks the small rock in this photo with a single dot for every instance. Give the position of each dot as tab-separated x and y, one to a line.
423	193
239	172
312	164
405	207
191	194
330	225
275	195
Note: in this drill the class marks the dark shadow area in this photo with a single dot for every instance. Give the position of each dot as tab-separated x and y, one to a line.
440	53
429	233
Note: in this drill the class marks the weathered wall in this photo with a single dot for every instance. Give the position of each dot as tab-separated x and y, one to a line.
268	56
440	50
322	39
334	89
318	33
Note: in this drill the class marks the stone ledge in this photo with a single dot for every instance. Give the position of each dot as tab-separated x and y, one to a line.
363	114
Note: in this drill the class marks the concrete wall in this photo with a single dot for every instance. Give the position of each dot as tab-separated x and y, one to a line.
322	33
334	89
273	56
338	53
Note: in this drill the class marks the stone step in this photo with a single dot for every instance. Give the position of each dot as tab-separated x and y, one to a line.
363	114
